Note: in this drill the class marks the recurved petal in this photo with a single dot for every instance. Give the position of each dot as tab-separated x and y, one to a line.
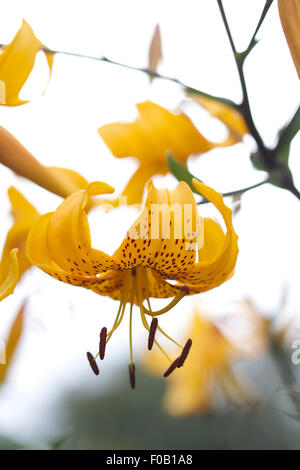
232	119
164	235
12	342
8	285
17	61
213	240
70	179
24	215
218	260
158	287
62	239
108	283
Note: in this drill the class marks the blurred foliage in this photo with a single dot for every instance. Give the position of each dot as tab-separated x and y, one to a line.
7	444
121	419
124	419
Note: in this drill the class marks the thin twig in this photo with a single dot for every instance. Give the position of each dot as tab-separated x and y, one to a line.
147	71
261	20
237	192
268	156
245	105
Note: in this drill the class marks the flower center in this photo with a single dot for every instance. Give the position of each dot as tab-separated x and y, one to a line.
135	291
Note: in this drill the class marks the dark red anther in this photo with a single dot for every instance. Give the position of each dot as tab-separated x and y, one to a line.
172	367
152	331
93	363
102	343
185	289
132	375
185	352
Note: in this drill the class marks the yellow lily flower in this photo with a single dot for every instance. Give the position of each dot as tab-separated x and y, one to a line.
161	246
289	11
9	283
24	215
209	365
154	133
12	343
15	156
16	63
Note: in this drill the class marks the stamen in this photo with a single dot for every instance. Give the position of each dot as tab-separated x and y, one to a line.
172	304
122	306
185	352
93	363
169	337
172	367
139	294
180	360
151	312
102	343
132	375
130	328
117	321
137	288
185	289
153	328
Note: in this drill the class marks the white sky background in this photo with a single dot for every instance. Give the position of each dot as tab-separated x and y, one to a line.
60	129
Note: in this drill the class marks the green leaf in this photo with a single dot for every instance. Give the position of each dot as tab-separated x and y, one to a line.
286	135
181	172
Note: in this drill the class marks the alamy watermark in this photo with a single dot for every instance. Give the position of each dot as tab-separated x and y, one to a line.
2	352
2	92
295	358
166	222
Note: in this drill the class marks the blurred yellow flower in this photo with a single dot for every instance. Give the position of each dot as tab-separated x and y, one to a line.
289	11
154	133
7	286
12	343
246	328
16	63
14	155
160	246
208	368
24	214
